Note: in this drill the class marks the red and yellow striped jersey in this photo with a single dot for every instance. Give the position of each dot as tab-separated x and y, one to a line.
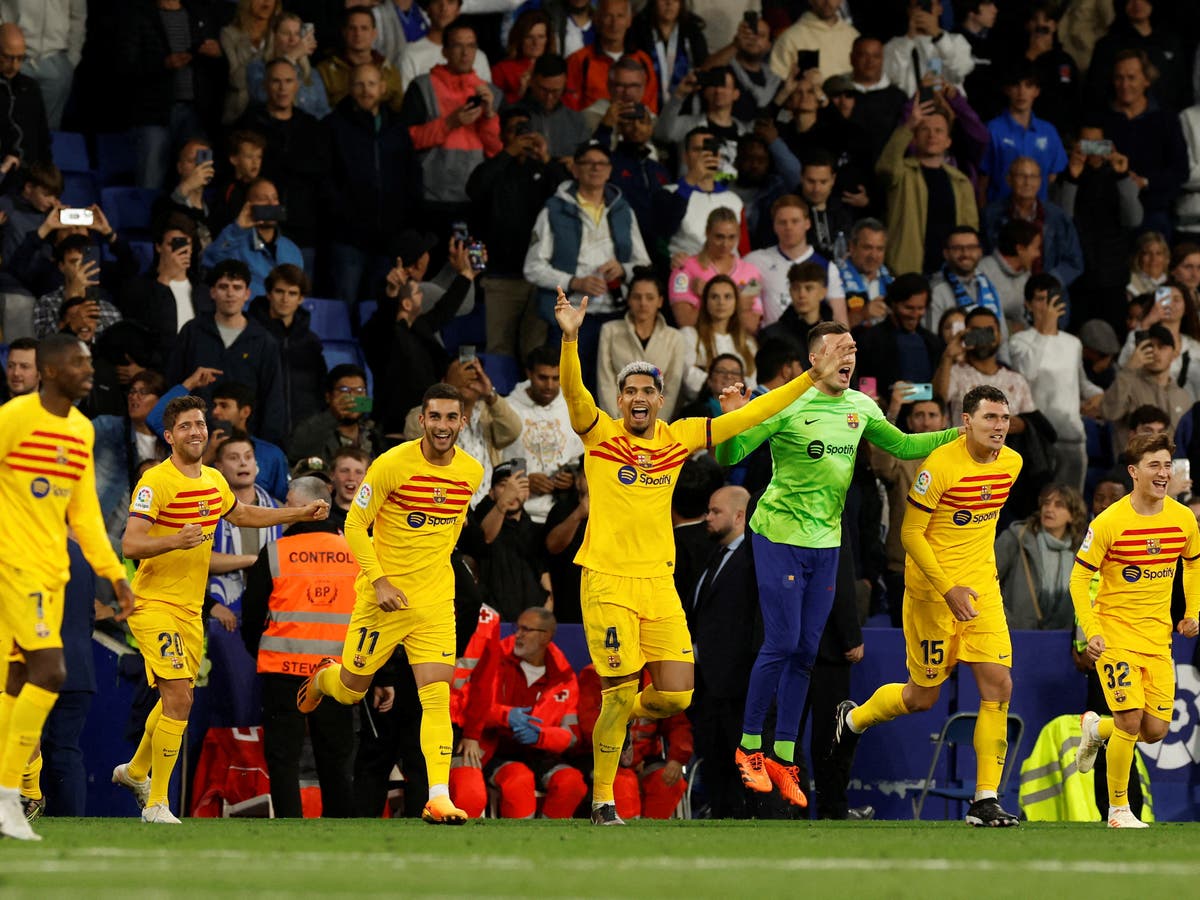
1137	556
417	510
47	480
168	499
962	499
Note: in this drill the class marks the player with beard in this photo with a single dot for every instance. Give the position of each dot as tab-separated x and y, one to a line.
631	612
953	611
47	482
796	532
175	509
416	497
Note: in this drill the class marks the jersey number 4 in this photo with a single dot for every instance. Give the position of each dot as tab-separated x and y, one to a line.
610	639
1118	675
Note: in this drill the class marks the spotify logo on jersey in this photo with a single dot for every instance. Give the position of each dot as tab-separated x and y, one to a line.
816	449
627	474
962	517
1131	573
416	519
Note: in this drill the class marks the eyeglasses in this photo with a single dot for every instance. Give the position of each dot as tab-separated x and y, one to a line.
356	391
141	392
727	373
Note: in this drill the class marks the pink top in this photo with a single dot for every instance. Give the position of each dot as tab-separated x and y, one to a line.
687	283
506	75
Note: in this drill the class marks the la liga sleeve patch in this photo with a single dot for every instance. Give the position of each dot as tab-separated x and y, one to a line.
364	496
143	500
921	485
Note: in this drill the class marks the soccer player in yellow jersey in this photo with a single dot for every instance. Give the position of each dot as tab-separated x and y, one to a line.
631	613
47	480
952	607
1136	545
172	516
416	497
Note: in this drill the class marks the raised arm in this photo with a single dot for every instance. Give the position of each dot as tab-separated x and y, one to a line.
580	405
245	515
886	436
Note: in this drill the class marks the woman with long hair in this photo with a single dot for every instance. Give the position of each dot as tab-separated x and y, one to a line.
718	256
293	43
718	330
1034	559
246	38
1148	263
531	37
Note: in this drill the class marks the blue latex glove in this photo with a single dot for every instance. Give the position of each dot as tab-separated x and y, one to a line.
525	728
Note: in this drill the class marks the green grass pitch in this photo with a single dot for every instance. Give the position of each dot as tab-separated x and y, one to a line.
257	859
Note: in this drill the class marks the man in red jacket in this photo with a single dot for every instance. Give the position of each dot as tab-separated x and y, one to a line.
521	717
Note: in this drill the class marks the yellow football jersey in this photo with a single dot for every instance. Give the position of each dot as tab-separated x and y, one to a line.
960	500
47	479
417	510
1136	557
168	499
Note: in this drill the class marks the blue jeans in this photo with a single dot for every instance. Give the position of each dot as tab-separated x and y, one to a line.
154	144
54	75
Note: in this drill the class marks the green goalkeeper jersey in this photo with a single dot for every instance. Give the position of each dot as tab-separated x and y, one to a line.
813	444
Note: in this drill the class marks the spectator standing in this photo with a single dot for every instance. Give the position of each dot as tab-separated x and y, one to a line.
627	79
258	244
1137	29
247	38
1017	133
644	334
282	314
959	284
820	28
512	568
563	128
587	67
1173	310
674	38
1034	559
926	196
908	57
521	718
547	446
228	192
880	106
863	275
174	79
682	209
186	202
900	348
297	603
53	31
295	44
830	216
529	40
976	21
962	368
1061	99
718	331
451	118
1052	362
572	23
233	406
507	192
1008	267
358	34
747	56
240	348
24	127
342	423
376	189
636	169
1149	135
20	369
421	55
1062	255
766	170
717	101
1187	204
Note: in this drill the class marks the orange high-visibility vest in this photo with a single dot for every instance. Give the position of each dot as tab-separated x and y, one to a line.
311	602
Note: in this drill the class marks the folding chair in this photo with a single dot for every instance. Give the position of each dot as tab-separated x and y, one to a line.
960	729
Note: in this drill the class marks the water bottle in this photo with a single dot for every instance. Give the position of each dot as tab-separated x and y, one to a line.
841	249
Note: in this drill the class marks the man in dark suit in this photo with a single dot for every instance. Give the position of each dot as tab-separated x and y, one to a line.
698	478
726	628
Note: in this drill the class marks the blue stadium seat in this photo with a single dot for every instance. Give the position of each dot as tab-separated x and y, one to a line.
143	252
330	319
468	329
115	157
503	370
70	151
338	352
79	189
128	209
3	355
366	309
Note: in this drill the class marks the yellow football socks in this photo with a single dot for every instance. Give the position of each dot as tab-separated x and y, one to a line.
1120	758
886	703
652	703
329	683
1104	728
616	705
991	744
29	714
139	766
437	735
31	778
168	736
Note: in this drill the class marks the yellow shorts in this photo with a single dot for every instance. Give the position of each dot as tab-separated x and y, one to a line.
1138	681
632	621
935	641
171	640
6	648
426	631
30	613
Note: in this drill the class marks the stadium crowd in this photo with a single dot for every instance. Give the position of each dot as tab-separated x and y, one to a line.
308	214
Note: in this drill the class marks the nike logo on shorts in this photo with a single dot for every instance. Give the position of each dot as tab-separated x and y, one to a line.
1004	656
687	650
1162	708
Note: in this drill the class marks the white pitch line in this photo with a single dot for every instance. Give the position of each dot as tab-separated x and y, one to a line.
115	860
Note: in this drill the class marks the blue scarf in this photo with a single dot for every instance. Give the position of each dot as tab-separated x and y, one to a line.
854	283
987	293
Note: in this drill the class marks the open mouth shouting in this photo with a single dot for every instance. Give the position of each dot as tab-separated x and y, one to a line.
639	414
443	438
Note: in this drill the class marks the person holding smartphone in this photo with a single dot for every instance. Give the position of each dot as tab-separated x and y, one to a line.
1168	306
907	57
821	32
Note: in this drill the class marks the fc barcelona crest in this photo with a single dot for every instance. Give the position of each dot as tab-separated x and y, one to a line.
1119	695
202	506
60	455
930	673
852	420
359	660
643	460
439	495
1153	545
614	661
985	492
